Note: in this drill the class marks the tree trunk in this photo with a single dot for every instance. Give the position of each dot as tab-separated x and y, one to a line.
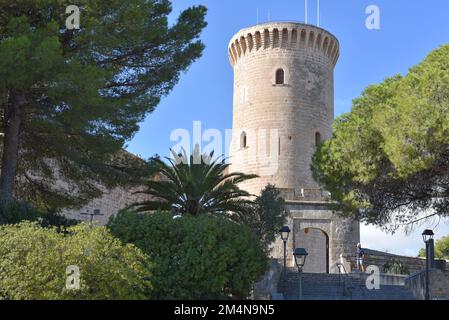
11	124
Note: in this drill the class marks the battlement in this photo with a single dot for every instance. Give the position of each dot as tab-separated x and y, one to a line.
283	35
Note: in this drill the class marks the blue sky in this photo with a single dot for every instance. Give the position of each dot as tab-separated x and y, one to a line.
410	29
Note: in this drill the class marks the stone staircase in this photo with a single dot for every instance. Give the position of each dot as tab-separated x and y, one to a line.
317	286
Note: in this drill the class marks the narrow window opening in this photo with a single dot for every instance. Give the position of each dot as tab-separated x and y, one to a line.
317	139
279	147
280	76
243	140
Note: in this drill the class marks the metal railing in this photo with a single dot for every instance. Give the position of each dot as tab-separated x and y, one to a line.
348	285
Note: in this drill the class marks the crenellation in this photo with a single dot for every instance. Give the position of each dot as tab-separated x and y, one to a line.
283	36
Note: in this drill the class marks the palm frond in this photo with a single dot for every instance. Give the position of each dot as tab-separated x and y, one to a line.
195	184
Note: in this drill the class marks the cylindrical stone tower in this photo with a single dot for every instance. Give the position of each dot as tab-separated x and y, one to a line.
283	101
283	108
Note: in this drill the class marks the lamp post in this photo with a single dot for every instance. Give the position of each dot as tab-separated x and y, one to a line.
285	232
427	236
300	259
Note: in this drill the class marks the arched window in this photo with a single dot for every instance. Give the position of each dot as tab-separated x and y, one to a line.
243	140
280	76
317	139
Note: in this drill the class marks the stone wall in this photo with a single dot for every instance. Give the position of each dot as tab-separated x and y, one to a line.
109	204
438	285
378	258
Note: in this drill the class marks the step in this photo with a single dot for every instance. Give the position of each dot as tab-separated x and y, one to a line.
335	287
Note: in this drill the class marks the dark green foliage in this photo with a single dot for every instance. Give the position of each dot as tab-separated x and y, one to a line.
265	216
389	156
195	185
70	99
21	211
195	257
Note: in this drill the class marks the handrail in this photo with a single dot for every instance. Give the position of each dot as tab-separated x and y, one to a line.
348	284
339	266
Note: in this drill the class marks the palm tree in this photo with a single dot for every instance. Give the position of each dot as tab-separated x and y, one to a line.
194	185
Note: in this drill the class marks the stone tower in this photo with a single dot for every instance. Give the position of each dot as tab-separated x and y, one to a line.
283	108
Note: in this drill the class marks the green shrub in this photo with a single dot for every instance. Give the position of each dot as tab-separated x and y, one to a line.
195	257
34	261
395	267
264	216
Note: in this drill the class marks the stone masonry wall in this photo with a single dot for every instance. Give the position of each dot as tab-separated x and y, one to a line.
438	284
378	258
110	203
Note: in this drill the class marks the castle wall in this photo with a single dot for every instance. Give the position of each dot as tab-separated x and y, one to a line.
109	204
438	284
413	264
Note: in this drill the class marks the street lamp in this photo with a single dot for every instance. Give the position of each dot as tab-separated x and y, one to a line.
285	232
300	255
427	236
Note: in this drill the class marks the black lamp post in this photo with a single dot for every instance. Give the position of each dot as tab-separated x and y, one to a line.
285	232
300	259
427	236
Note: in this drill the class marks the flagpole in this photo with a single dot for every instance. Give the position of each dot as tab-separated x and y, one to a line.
318	12
305	9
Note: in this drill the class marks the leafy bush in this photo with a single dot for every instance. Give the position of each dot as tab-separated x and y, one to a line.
22	211
195	257
395	267
265	216
34	261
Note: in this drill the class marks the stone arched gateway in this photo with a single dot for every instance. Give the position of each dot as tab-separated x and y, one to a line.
316	242
328	237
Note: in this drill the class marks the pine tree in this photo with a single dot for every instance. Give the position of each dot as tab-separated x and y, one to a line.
388	160
70	99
